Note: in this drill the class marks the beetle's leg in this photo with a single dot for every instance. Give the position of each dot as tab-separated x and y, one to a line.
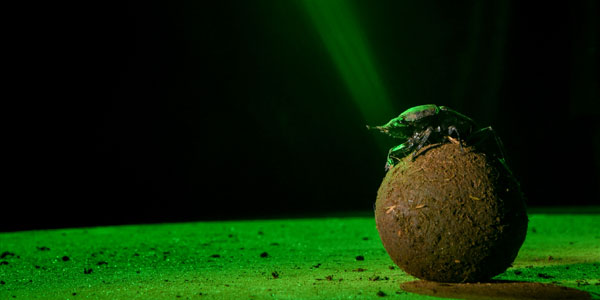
482	141
494	147
422	140
403	148
452	129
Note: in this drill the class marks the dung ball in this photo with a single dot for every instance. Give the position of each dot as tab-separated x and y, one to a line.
451	214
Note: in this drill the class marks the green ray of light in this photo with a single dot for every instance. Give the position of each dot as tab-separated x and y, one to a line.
339	29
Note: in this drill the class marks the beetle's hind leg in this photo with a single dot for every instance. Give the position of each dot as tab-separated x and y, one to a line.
486	140
452	129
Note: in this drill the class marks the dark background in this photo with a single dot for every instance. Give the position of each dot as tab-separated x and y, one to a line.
153	112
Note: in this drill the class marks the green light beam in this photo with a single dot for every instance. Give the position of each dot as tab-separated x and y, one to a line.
338	27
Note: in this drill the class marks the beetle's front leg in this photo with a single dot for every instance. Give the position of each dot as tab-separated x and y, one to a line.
393	154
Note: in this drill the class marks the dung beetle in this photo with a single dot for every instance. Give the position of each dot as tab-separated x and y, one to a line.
430	123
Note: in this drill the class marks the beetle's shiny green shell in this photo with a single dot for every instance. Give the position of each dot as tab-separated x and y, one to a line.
418	112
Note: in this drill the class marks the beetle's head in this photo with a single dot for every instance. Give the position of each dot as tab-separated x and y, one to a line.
397	128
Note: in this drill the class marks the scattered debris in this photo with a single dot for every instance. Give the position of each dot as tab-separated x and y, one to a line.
377	278
316	266
545	276
275	274
390	209
381	294
264	255
43	248
360	257
65	258
102	263
87	271
215	256
582	282
6	253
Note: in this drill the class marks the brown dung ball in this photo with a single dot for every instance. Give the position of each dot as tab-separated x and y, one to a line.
451	215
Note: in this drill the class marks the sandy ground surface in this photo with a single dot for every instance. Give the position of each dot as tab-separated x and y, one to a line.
320	258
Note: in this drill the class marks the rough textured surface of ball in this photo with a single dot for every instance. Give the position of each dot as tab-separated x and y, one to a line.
451	214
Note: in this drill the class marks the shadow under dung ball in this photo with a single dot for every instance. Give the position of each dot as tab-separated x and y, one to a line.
451	214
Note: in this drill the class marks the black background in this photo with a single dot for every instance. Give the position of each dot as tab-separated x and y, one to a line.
154	112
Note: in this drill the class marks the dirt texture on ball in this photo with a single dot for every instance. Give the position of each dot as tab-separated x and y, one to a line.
451	214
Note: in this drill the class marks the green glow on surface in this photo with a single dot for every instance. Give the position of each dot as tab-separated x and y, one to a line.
305	259
338	27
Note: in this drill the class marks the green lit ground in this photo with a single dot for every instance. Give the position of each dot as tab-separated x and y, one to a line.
279	259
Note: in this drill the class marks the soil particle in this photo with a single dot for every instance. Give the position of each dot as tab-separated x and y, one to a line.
43	248
6	253
494	290
360	257
377	278
264	255
452	214
381	294
3	263
65	258
87	271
